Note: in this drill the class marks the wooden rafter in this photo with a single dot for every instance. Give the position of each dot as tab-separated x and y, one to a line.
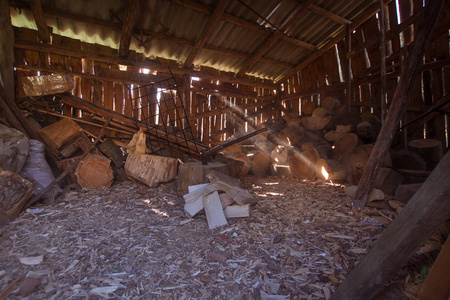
203	8
270	42
328	14
127	27
149	34
370	11
209	29
38	14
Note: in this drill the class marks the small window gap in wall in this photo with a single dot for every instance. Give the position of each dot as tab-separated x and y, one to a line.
338	60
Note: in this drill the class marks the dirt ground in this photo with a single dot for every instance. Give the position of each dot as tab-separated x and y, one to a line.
135	242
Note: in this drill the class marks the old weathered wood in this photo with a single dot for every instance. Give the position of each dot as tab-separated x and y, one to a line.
60	133
405	192
127	27
401	95
151	169
344	145
422	216
239	195
7	51
193	173
308	107
436	285
39	18
94	172
242	168
388	180
14	193
237	211
303	164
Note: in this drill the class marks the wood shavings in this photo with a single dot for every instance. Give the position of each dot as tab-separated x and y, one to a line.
300	240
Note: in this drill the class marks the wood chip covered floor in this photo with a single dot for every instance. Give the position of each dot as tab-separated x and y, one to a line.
134	242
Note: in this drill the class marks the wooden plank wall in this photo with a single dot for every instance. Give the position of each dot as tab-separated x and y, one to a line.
323	78
216	109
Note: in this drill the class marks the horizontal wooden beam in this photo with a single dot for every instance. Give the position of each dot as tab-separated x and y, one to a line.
328	14
140	64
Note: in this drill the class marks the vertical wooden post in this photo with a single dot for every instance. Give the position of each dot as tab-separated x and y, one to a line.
6	50
401	95
383	60
348	102
186	97
404	135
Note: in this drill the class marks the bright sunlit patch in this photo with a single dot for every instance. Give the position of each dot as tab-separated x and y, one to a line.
271	183
195	79
274	194
123	67
324	173
144	70
161	213
250	154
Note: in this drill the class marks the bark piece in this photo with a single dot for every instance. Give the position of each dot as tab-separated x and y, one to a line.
195	173
94	172
151	169
14	193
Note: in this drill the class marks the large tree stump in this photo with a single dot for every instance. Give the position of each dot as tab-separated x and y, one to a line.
14	193
94	172
193	173
430	150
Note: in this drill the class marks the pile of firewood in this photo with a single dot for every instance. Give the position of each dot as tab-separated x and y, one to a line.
220	199
326	143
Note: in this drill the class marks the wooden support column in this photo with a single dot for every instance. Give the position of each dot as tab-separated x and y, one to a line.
186	97
427	210
209	29
348	96
39	18
383	60
401	95
6	50
127	27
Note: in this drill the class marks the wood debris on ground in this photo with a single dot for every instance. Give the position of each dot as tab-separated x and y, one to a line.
131	241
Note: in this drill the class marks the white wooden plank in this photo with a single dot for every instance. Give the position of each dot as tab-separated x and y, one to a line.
237	211
214	211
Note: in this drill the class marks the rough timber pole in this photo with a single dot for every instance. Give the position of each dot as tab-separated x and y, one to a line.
401	95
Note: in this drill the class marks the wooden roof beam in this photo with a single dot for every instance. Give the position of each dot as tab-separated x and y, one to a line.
203	8
270	42
150	34
209	29
328	14
127	27
38	14
370	11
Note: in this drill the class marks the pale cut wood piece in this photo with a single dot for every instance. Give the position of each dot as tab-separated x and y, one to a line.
193	188
237	211
239	195
151	169
214	211
194	207
192	196
225	200
192	173
214	175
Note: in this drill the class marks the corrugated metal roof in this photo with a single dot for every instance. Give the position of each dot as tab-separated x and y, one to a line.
185	26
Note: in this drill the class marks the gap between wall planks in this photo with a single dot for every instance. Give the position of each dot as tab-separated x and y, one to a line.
366	68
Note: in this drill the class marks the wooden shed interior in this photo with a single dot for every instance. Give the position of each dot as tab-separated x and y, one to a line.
298	93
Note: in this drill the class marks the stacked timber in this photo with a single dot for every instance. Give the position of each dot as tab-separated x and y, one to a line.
220	199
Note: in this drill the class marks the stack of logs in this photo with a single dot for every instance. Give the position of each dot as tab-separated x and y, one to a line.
328	143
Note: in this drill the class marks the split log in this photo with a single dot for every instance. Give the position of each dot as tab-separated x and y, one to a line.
308	107
65	164
214	212
344	145
330	103
283	171
113	152
193	173
237	211
260	164
430	150
405	192
315	123
303	164
60	133
388	180
231	150
14	193
292	135
322	145
243	168
94	172
240	196
151	169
